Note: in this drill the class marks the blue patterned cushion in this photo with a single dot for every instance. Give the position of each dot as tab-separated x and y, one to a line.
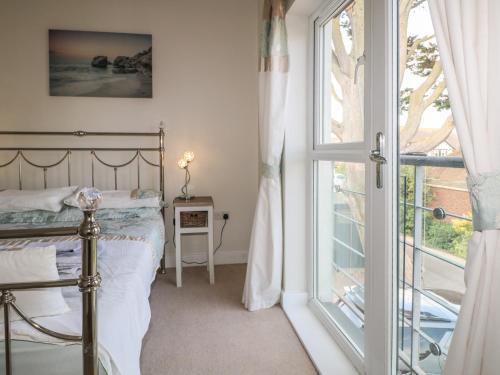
144	193
72	214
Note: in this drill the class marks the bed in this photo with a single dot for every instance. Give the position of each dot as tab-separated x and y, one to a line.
112	275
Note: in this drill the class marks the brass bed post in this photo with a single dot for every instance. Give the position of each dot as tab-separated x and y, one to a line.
6	298
162	186
90	279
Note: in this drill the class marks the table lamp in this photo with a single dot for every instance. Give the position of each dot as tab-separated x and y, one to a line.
183	163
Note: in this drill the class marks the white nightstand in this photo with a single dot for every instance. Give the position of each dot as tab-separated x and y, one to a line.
193	216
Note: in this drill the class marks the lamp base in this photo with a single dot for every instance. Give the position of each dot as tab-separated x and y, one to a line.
186	197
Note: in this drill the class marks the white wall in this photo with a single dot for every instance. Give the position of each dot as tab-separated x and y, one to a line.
296	249
296	178
205	89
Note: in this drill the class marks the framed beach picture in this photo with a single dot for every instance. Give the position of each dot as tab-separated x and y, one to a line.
100	64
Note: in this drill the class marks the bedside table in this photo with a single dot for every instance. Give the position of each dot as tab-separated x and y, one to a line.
193	216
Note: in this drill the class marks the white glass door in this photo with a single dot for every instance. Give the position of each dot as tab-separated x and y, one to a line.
354	217
435	212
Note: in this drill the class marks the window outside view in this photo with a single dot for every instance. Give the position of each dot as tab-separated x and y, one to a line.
435	214
340	186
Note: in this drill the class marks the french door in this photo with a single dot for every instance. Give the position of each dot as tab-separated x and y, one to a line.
354	179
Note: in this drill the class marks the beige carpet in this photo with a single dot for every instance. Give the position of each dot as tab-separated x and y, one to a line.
199	329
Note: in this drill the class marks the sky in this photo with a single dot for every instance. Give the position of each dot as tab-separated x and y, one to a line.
84	45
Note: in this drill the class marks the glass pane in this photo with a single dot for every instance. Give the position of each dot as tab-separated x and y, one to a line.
435	224
342	76
435	215
426	328
340	239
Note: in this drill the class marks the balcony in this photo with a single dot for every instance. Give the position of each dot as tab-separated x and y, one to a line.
435	225
433	242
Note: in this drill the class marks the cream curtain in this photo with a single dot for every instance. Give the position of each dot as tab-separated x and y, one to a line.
467	33
263	277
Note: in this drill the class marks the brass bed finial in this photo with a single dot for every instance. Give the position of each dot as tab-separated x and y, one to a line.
90	280
88	231
88	283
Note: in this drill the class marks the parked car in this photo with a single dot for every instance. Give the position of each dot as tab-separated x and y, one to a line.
436	322
339	181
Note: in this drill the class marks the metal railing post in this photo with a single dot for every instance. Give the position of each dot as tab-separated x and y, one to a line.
419	295
89	280
418	202
403	267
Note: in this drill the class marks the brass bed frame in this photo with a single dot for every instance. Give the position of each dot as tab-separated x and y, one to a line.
88	231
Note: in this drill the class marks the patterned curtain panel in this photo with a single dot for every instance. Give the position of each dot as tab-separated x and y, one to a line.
263	277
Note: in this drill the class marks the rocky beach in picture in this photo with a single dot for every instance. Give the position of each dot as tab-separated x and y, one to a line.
99	64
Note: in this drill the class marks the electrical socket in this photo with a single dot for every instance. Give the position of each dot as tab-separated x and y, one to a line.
219	215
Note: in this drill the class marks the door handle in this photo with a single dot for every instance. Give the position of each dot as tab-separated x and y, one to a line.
377	156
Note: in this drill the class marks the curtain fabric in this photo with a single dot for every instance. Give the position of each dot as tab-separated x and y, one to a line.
264	268
467	33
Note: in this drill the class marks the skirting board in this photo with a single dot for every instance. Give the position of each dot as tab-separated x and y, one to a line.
221	257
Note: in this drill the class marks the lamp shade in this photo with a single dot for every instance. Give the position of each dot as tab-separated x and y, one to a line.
189	156
182	163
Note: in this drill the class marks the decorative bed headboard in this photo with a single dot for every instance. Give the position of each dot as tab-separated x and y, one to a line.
138	155
89	280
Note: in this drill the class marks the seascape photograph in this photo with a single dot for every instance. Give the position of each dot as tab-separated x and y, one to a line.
100	64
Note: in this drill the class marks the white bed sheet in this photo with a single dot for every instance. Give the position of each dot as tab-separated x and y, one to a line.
127	268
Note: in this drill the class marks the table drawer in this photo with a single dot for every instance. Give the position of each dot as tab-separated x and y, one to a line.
194	219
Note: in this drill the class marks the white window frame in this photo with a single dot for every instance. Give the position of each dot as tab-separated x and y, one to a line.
356	152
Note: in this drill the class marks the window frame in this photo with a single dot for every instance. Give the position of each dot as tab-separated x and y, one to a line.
336	152
332	9
383	359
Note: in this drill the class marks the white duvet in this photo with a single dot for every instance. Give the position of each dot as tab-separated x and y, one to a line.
127	268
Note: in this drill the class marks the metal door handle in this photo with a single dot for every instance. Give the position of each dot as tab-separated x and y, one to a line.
377	156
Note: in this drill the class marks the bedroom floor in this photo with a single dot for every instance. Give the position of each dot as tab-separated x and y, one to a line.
199	329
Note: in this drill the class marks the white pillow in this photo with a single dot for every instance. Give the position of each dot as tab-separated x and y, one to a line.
117	199
33	264
30	200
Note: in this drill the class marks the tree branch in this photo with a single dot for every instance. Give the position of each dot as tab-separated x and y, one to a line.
416	105
438	90
435	139
356	16
337	129
417	42
341	77
431	79
339	49
404	14
335	95
417	3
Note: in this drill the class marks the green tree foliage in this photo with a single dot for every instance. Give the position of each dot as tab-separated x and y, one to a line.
450	235
420	59
420	63
407	194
